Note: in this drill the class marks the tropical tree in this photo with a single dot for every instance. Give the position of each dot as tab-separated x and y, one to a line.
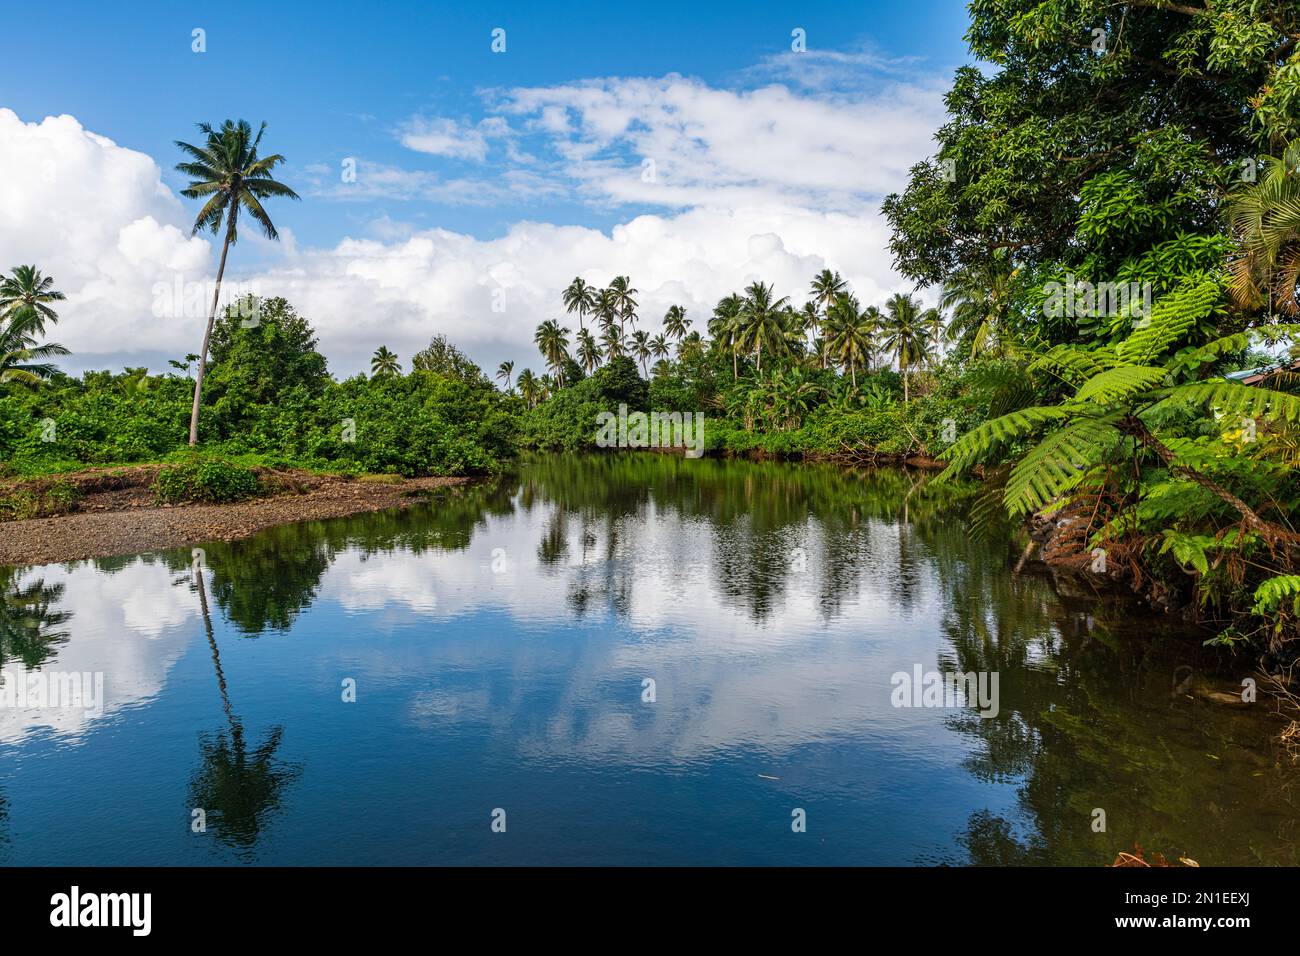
725	328
1265	218
605	308
580	297
659	346
504	371
849	335
26	291
589	353
675	322
384	362
552	341
763	322
641	348
228	171
904	335
20	355
612	341
979	298
528	388
623	301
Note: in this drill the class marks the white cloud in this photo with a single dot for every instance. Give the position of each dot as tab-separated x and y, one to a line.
439	136
767	183
97	218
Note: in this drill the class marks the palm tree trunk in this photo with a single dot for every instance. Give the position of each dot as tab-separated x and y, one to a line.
207	333
735	373
853	371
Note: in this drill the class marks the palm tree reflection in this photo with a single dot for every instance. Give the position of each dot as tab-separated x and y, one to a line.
28	619
238	787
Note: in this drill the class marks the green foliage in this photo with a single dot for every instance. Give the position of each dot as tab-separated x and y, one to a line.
205	479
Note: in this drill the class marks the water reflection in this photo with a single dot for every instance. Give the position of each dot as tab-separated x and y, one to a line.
500	635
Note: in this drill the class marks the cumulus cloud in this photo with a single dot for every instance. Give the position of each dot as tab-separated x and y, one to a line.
773	183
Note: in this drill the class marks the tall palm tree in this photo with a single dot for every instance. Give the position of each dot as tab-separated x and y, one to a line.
528	387
659	346
605	308
504	371
27	291
905	336
763	321
612	341
979	299
20	356
580	297
932	323
725	328
624	304
641	348
690	348
675	322
552	341
1265	218
228	171
384	362
589	353
827	286
849	335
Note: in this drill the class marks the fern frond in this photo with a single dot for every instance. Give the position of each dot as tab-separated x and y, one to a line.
1234	399
1191	358
981	443
1116	384
1172	318
1271	595
1058	463
1072	363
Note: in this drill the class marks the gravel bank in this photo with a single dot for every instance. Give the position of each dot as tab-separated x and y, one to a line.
101	530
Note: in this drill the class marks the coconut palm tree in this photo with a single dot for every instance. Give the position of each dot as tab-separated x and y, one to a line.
827	286
20	356
905	336
504	371
1265	219
725	328
659	346
690	348
580	297
26	291
675	322
612	341
589	353
384	362
552	341
763	321
605	308
624	304
528	388
228	171
849	335
932	323
979	299
641	348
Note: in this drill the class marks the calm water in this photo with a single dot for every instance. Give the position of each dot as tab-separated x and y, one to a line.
499	637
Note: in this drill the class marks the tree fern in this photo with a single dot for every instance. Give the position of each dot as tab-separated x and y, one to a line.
981	443
1172	318
1234	399
1275	593
1057	463
1118	384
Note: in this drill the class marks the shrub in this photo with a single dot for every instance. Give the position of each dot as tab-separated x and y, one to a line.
205	479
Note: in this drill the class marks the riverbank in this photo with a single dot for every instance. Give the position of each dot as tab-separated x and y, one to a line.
116	514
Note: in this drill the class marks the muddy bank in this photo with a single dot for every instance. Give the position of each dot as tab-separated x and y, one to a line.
115	514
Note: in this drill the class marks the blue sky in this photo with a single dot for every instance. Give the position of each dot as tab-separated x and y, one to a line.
451	138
